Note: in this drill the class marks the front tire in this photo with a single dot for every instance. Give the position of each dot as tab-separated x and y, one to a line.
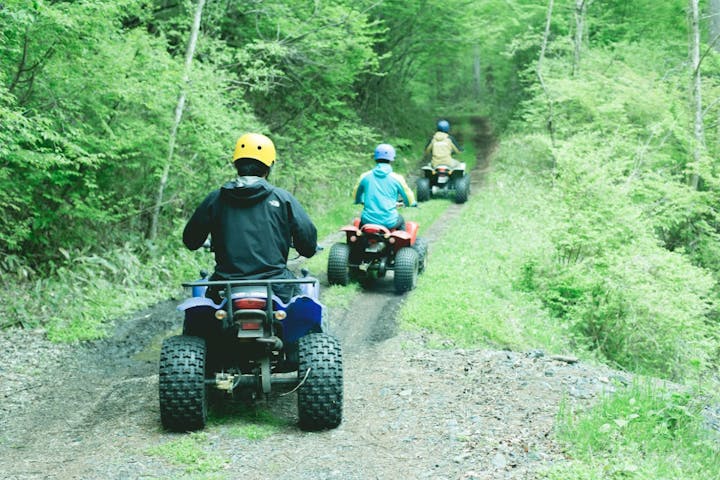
183	394
406	269
338	260
423	189
320	395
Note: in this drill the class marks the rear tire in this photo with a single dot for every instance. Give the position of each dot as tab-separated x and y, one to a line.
320	396
421	247
406	269
423	189
183	394
462	189
338	260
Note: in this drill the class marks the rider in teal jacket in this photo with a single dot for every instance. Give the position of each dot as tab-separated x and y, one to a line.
378	191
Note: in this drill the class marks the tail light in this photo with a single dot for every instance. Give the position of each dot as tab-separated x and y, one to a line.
250	325
249	303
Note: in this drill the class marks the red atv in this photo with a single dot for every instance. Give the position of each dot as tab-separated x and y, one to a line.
371	250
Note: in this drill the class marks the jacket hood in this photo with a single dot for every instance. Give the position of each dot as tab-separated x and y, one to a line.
245	190
382	170
439	136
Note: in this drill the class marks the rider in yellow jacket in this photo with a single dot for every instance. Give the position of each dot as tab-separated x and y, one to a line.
442	145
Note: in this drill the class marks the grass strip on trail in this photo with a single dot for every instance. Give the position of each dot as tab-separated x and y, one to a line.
467	293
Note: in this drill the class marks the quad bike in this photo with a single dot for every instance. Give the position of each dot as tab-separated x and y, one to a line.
444	180
250	343
371	250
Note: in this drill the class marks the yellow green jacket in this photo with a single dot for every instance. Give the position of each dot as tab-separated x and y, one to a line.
442	146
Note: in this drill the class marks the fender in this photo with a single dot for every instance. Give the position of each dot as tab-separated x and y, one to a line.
199	302
412	229
304	315
349	230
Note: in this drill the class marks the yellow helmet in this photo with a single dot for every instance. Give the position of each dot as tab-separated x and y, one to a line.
255	146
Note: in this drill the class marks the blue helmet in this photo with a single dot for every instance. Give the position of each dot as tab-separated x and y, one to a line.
443	126
385	151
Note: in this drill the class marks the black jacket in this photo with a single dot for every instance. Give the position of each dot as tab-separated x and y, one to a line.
253	225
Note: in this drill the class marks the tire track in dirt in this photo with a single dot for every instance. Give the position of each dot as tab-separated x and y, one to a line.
87	403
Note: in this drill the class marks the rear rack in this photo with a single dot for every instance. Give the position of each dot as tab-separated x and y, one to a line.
228	284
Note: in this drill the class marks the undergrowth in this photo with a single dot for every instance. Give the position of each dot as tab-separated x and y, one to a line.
643	432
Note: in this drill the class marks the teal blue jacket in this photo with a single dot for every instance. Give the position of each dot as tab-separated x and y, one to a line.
378	190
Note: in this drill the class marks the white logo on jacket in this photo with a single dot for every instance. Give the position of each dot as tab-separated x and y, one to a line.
274	203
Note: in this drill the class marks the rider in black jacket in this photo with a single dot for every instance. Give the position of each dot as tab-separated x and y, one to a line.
253	224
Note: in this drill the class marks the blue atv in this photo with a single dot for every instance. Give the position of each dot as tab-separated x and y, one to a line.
251	342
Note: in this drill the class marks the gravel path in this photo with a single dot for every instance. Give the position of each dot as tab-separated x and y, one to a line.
453	414
91	411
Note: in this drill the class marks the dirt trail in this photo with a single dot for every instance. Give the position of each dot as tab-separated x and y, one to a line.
91	412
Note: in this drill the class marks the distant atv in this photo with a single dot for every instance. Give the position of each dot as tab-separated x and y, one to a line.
443	180
371	250
251	342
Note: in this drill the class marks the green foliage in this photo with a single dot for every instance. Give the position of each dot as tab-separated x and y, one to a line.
82	143
644	431
616	289
640	307
90	141
612	21
631	240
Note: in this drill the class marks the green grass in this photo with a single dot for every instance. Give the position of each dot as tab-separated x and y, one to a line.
467	293
250	422
642	432
190	452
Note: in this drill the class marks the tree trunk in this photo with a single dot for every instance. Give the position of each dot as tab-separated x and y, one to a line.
179	109
696	90
538	71
580	10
